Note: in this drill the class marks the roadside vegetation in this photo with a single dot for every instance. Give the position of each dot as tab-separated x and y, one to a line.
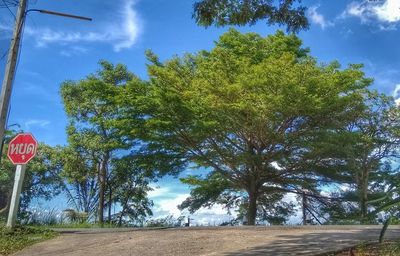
20	237
388	248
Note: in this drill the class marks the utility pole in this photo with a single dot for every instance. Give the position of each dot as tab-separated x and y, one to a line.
9	73
10	69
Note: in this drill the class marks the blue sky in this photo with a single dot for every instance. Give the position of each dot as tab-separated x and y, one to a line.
56	49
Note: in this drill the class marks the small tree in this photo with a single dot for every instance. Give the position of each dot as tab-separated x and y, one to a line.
91	111
367	157
130	187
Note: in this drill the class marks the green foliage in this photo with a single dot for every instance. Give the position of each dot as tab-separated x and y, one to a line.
44	173
237	12
20	237
91	110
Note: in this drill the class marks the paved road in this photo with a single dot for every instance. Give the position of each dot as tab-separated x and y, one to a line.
228	241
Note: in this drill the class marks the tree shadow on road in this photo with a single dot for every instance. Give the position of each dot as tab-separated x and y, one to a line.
317	243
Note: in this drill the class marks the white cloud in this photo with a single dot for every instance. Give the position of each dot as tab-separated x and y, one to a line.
127	36
318	18
387	12
166	203
121	33
159	191
36	122
396	94
357	9
170	206
276	166
212	216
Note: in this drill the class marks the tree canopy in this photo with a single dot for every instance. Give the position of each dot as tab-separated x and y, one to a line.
249	110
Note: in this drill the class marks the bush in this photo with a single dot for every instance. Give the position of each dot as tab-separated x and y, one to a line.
76	217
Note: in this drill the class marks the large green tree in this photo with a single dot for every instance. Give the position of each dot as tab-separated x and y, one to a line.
247	104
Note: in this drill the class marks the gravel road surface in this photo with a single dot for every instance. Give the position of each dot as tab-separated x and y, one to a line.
228	241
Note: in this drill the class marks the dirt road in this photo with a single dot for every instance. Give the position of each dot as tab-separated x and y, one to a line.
229	241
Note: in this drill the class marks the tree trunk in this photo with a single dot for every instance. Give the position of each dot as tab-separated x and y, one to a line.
304	208
120	218
101	197
363	205
102	180
109	204
252	210
364	196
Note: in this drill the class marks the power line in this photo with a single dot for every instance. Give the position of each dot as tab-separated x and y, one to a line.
8	8
6	4
4	55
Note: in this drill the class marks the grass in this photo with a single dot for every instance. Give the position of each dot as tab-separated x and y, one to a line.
21	237
388	248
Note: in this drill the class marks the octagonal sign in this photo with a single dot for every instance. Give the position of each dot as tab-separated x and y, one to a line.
22	148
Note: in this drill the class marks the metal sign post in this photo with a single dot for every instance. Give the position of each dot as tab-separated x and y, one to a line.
16	194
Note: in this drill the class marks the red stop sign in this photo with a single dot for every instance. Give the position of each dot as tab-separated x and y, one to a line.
22	148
